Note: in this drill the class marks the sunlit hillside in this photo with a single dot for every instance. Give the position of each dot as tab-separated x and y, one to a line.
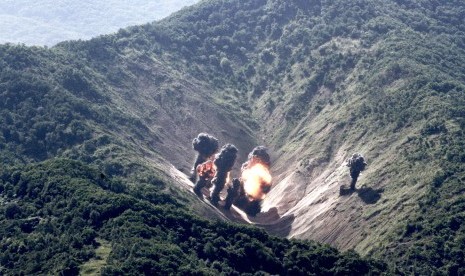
96	142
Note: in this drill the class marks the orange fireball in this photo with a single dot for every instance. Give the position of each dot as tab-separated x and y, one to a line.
257	181
206	170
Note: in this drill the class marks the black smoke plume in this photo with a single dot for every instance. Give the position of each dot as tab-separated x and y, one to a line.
356	165
224	162
257	155
206	145
206	171
233	193
261	154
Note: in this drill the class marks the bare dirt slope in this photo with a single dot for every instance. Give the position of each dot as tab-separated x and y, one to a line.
308	152
305	201
311	183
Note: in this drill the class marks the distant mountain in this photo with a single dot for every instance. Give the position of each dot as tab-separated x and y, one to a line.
48	22
314	81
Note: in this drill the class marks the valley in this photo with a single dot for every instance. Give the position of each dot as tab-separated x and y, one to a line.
313	81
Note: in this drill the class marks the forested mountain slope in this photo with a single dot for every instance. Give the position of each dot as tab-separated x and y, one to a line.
315	81
325	80
119	206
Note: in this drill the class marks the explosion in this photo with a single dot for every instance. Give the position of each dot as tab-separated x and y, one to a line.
257	181
233	193
224	161
256	175
245	192
216	172
356	165
206	170
206	145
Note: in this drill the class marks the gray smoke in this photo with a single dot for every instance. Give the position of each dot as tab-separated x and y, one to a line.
224	162
356	165
233	193
257	155
206	172
261	153
206	145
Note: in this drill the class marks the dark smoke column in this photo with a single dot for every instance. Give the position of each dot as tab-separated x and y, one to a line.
206	172
233	193
224	161
257	155
356	165
206	145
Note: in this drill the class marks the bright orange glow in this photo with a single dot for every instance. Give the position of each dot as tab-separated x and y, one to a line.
255	179
206	170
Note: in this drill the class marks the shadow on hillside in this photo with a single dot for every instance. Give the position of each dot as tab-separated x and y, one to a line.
369	195
273	223
345	191
366	194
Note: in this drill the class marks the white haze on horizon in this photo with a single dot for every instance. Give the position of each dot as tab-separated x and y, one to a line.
47	22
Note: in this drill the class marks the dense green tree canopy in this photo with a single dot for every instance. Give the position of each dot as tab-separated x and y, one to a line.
80	122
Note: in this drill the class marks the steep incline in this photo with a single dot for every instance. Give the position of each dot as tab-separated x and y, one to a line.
315	81
322	81
325	80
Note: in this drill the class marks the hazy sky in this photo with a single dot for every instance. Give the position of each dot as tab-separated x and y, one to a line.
47	22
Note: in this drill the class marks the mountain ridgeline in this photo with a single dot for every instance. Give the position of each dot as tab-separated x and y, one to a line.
95	137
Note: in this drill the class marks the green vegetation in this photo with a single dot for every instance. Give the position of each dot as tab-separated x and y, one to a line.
94	265
436	234
60	213
386	77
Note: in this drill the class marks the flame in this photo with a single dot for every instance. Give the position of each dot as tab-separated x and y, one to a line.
206	170
256	178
